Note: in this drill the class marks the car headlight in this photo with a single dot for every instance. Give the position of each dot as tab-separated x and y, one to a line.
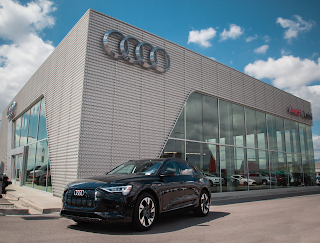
125	190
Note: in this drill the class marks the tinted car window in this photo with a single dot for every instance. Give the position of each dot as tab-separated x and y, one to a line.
138	167
186	169
171	166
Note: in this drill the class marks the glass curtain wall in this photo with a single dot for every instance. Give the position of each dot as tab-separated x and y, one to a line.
238	148
30	130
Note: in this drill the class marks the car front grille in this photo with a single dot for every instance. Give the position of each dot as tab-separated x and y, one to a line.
84	201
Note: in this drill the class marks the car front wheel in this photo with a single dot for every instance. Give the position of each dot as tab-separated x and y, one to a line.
144	213
204	205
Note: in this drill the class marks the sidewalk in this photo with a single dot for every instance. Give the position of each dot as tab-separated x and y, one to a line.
29	201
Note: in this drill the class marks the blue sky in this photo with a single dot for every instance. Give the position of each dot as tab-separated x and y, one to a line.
277	42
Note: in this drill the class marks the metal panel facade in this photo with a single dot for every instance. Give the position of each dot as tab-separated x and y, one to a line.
102	112
60	81
140	113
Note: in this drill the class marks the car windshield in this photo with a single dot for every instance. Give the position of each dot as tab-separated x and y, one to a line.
145	167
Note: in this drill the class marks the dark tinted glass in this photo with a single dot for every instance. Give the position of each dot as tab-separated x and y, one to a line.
148	167
178	131
186	169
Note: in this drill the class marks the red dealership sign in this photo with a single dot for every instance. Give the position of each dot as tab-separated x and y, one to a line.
298	112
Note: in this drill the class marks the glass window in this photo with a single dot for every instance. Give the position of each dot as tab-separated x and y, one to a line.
42	161
203	156
303	138
226	131
251	128
278	169
194	117
288	136
178	131
309	141
174	148
295	170
258	167
17	132
42	122
171	166
232	164
261	130
238	125
33	124
262	166
309	171
186	169
280	134
295	137
275	132
24	129
31	167
272	133
210	119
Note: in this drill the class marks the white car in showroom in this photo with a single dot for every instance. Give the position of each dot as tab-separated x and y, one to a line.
244	181
214	180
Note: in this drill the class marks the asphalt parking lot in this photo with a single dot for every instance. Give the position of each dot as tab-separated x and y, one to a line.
284	219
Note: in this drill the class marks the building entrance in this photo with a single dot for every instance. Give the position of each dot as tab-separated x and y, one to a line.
16	167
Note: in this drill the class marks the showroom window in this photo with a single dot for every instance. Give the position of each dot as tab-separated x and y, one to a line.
30	130
238	148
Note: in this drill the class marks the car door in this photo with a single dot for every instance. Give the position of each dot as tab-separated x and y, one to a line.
170	187
191	185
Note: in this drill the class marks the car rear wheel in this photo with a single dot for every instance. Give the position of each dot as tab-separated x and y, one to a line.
204	205
144	213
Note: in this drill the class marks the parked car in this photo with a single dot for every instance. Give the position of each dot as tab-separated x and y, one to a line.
244	181
42	171
137	192
308	180
263	179
296	179
318	180
214	180
229	181
282	179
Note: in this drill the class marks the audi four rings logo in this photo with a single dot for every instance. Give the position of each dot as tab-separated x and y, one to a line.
139	52
79	193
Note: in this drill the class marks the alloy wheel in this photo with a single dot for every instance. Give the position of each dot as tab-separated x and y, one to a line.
147	212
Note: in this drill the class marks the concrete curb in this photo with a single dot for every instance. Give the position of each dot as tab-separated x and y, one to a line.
27	203
14	211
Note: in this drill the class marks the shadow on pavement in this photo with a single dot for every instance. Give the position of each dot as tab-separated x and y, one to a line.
167	223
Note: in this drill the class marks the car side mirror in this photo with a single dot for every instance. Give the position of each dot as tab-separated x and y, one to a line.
168	173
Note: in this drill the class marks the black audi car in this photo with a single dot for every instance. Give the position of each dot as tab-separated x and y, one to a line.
137	192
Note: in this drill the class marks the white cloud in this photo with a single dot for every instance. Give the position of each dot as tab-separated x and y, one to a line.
202	37
291	74
316	145
212	58
24	51
261	49
294	27
234	33
311	94
285	52
266	38
251	38
286	72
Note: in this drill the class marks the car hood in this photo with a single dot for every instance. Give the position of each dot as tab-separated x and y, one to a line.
108	180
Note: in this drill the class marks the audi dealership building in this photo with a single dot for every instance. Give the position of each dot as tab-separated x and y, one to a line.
111	92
